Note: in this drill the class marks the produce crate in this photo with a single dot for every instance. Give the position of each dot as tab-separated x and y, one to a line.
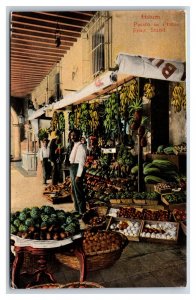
172	205
121	201
131	236
66	198
162	191
145	202
164	237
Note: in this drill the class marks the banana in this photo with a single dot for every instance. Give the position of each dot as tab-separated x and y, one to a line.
178	100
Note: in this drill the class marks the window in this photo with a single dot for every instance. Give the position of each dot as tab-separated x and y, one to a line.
98	55
97	46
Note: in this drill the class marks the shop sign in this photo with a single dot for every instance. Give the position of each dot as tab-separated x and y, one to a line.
151	67
108	150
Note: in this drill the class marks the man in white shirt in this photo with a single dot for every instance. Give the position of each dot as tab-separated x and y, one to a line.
77	160
44	158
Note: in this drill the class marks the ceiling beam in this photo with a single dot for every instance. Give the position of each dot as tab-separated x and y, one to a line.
29	42
72	32
36	60
27	49
57	15
44	33
36	53
36	47
30	68
22	16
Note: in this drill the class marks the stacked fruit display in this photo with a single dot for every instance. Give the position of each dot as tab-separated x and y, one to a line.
101	241
179	215
130	228
143	214
160	231
43	223
160	170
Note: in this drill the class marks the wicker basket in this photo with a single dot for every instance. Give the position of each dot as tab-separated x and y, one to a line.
95	212
84	284
95	260
47	286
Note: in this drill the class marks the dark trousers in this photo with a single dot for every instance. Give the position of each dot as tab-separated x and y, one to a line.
77	190
46	167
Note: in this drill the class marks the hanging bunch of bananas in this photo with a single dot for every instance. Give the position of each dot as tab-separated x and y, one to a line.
94	117
61	121
178	100
84	118
111	115
149	90
54	121
77	114
128	94
71	120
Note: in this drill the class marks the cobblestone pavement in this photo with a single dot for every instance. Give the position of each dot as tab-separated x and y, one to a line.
140	265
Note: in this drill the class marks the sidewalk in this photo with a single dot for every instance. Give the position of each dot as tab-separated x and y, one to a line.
140	265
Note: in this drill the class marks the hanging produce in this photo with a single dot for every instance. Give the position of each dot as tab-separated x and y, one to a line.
136	114
111	122
149	90
54	121
94	117
61	121
71	120
77	113
128	94
178	100
84	119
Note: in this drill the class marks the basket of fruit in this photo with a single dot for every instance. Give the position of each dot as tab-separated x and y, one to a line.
101	248
93	218
84	285
47	286
43	225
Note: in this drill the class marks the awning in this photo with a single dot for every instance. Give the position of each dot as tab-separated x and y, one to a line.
151	67
36	114
90	90
87	93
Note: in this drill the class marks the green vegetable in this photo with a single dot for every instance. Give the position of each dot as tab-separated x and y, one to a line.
29	222
153	179
23	228
168	150
17	222
148	171
22	216
13	229
164	165
134	170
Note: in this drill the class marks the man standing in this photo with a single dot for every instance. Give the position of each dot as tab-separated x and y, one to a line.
77	160
44	158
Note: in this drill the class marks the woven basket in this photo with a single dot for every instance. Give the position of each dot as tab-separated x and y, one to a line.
47	286
84	284
95	260
96	211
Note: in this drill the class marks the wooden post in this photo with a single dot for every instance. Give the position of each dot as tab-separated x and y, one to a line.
140	166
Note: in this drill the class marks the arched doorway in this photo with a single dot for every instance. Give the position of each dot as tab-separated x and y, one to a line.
15	136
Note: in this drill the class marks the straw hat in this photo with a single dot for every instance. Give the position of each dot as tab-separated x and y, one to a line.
52	135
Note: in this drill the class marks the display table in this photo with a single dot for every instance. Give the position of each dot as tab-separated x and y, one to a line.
41	251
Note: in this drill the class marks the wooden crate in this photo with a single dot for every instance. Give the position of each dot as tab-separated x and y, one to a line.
128	221
66	198
160	240
172	205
